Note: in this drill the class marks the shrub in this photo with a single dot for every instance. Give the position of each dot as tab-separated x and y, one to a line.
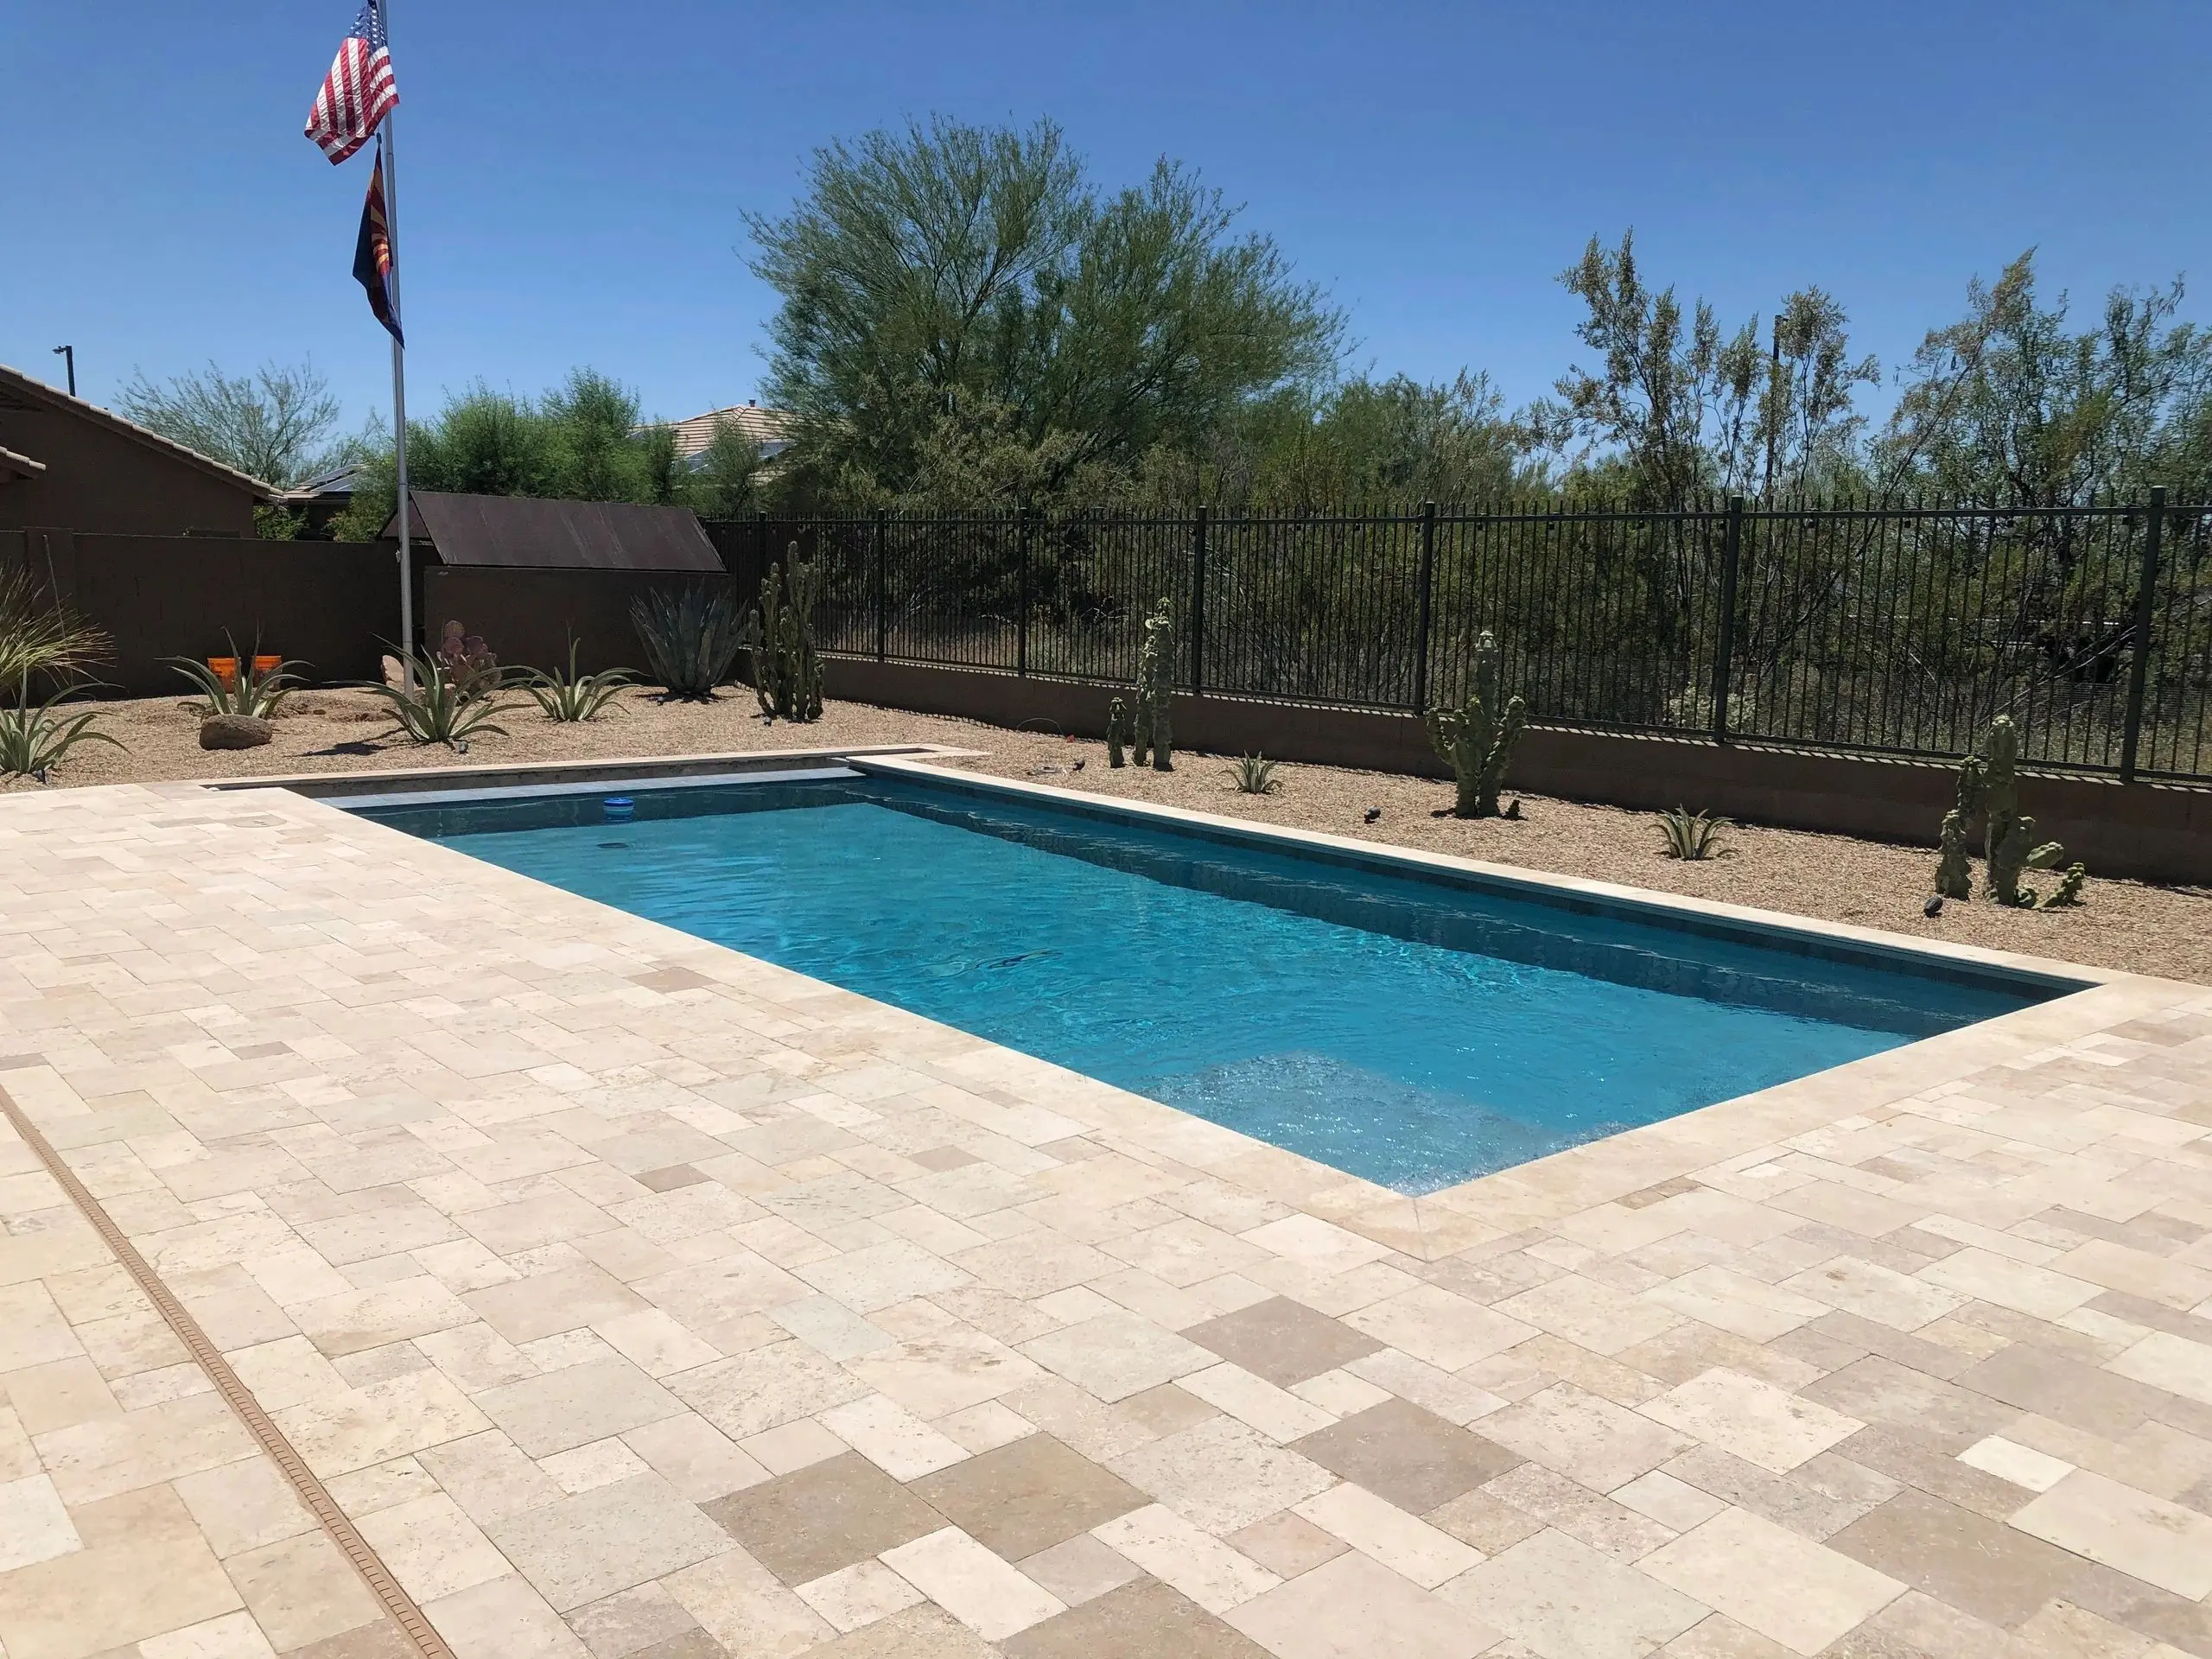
576	696
692	636
1255	774
440	706
1691	835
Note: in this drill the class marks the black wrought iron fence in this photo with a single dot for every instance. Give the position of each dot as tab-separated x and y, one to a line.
1896	629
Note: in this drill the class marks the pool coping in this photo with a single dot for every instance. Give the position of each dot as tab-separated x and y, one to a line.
1527	1194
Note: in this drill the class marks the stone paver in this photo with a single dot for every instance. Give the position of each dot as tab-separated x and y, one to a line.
635	1298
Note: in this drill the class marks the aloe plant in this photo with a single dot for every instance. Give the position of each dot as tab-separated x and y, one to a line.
1694	835
576	696
34	738
441	706
692	636
1255	774
250	692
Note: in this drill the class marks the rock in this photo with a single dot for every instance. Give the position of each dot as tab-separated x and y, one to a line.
233	732
392	673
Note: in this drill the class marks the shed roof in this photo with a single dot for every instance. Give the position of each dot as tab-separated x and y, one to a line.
14	465
524	530
34	393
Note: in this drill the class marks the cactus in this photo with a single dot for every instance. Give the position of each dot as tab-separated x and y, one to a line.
471	665
1955	868
1991	785
1150	734
2069	890
1117	733
786	669
1477	738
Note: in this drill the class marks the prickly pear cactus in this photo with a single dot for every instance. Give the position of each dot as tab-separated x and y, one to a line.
1477	738
1117	733
1150	734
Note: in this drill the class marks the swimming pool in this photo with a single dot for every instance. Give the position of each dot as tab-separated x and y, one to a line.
1414	1027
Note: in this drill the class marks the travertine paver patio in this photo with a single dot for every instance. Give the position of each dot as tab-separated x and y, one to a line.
635	1298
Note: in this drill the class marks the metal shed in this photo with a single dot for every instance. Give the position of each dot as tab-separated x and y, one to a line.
522	532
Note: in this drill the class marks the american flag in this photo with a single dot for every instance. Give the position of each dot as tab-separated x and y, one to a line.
358	93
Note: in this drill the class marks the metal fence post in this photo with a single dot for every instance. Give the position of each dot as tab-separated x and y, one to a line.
1427	586
1021	634
1724	643
1198	604
760	572
2138	670
882	585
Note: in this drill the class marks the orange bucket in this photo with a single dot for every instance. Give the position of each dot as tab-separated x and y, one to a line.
226	670
267	664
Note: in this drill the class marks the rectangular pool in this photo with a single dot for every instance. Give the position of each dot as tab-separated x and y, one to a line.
1413	1027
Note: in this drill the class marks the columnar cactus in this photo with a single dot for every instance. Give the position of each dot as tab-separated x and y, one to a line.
1150	734
1477	737
787	671
1955	868
1991	785
1117	733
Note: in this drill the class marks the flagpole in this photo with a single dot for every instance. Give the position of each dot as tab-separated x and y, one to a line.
400	408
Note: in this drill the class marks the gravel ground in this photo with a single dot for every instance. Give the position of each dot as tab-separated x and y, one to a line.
2125	925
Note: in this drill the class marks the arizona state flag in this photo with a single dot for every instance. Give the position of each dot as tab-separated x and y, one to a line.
373	261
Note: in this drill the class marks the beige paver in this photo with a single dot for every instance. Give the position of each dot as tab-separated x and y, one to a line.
637	1298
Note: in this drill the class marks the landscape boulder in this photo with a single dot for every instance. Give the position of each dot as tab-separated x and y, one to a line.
233	732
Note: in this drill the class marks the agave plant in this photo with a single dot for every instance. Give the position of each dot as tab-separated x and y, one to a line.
1255	774
576	696
692	636
1691	835
252	691
435	704
35	737
39	635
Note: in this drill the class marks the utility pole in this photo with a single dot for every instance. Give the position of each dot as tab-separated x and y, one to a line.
68	355
1774	402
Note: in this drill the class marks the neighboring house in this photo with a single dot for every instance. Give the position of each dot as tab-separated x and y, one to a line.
322	499
772	429
65	464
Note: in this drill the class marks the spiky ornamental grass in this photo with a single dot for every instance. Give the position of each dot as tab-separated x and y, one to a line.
1694	835
435	704
574	697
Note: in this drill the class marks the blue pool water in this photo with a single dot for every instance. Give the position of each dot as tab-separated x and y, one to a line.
1412	1029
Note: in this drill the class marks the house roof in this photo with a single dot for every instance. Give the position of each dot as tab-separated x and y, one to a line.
39	393
517	529
18	466
763	426
337	485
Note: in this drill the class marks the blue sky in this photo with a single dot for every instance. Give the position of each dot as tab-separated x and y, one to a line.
573	176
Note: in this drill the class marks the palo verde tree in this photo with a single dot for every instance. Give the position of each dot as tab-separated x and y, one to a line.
2008	405
954	291
1679	408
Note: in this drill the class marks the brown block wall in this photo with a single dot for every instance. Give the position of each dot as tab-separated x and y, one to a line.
326	603
2153	832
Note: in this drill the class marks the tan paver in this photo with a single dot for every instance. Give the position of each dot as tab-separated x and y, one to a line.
637	1299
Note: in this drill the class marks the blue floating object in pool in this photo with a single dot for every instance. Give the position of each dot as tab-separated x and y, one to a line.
618	808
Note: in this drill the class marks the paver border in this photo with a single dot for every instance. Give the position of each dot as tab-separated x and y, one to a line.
397	1604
